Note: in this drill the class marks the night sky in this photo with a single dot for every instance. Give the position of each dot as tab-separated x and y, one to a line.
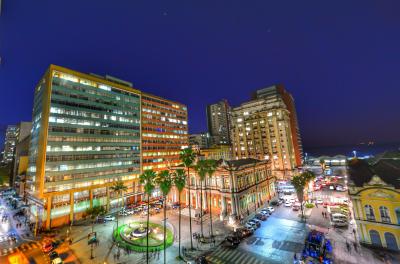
339	59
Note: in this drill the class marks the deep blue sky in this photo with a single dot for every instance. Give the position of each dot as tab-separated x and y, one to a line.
339	59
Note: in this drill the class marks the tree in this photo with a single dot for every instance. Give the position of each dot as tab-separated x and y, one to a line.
94	212
300	182
164	180
201	169
147	178
211	168
322	163
119	187
180	182
188	157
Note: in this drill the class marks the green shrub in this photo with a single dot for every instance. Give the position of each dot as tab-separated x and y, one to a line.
309	205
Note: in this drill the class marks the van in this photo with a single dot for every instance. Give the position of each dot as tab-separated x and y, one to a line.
339	219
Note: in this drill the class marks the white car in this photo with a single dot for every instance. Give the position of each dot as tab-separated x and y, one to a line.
251	226
292	200
57	261
109	218
288	204
319	201
271	209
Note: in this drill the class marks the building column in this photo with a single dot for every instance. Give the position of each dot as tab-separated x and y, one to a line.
197	200
91	198
187	197
108	199
48	213
71	207
223	205
205	200
233	205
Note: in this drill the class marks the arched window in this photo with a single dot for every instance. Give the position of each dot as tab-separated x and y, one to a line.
369	212
391	242
375	238
384	214
398	215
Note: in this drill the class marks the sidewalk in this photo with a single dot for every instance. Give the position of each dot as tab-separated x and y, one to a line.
106	249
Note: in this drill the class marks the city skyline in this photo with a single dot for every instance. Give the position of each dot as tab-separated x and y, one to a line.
177	60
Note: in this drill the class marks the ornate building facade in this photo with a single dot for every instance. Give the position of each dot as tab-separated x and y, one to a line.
374	189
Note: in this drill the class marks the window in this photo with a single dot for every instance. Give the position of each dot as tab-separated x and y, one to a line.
398	215
369	212
384	214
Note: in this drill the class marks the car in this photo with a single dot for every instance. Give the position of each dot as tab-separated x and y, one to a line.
234	241
47	246
257	223
123	213
53	255
271	209
261	217
57	261
319	201
296	206
331	187
288	204
280	201
292	200
243	232
109	218
251	226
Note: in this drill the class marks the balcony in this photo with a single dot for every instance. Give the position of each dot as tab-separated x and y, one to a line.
386	219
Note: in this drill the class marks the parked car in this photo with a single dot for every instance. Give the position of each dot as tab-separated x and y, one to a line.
261	217
319	201
288	204
256	222
271	209
243	232
109	218
265	212
296	207
47	246
234	241
252	226
57	261
53	255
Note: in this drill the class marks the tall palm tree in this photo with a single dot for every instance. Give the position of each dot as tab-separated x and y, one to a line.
119	187
188	157
164	180
211	168
147	178
299	182
180	182
201	169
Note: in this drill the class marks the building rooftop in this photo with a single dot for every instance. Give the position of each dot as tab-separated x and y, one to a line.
385	165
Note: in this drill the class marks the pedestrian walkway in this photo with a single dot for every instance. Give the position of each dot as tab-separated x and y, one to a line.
227	255
22	248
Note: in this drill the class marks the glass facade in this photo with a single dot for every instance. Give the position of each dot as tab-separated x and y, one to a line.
93	134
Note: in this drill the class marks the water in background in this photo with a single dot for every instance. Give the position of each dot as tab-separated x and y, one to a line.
362	150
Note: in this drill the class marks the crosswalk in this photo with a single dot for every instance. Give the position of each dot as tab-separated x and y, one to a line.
22	248
226	255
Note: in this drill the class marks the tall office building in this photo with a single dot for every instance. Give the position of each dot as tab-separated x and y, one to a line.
218	116
262	128
200	140
20	156
164	132
88	133
9	144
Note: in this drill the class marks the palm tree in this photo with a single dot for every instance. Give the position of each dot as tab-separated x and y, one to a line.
211	168
322	163
180	182
119	188
94	212
147	178
188	156
164	180
201	169
300	182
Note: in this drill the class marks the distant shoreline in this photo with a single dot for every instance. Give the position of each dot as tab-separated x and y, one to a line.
362	150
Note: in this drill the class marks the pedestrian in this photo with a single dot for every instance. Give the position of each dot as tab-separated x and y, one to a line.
348	246
323	214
